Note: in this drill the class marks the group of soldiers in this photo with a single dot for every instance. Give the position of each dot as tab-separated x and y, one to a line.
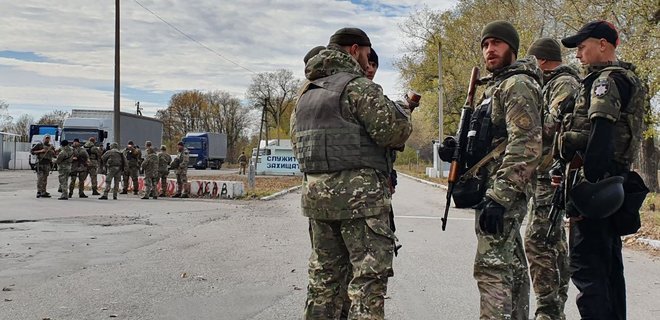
538	117
78	161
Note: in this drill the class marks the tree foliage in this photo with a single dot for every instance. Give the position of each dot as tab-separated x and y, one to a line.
197	111
54	117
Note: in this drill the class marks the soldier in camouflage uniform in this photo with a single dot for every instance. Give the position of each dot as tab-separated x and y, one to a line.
548	258
150	166
133	157
181	170
45	153
115	162
95	154
605	127
346	197
164	161
78	169
63	161
510	108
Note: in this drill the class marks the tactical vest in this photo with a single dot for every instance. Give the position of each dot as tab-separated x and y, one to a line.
482	132
327	140
627	129
92	155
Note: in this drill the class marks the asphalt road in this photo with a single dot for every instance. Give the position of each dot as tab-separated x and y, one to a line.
223	259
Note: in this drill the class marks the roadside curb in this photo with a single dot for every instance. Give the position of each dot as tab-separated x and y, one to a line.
649	242
280	193
437	185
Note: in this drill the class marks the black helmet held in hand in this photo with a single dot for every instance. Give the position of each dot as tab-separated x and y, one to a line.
447	148
598	200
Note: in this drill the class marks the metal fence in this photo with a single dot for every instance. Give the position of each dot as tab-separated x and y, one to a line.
10	148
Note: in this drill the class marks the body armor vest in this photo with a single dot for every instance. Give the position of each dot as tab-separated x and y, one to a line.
627	129
327	140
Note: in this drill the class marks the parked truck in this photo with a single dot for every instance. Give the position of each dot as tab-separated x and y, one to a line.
37	134
206	149
83	124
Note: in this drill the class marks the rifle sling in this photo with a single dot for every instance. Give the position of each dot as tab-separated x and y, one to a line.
494	154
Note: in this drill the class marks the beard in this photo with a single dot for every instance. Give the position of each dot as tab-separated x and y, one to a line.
505	61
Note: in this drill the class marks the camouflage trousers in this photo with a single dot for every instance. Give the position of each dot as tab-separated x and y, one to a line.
363	246
151	186
132	173
548	261
242	169
500	268
112	173
63	177
181	182
81	176
93	171
163	182
43	170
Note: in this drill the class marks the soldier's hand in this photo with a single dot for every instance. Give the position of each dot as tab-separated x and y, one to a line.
491	218
412	99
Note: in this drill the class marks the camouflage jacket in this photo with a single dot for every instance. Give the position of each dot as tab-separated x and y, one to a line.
114	158
45	157
133	157
64	158
182	162
80	159
560	89
242	159
164	161
94	153
353	193
150	165
514	93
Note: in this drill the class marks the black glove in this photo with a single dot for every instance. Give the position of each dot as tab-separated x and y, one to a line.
393	178
491	219
447	148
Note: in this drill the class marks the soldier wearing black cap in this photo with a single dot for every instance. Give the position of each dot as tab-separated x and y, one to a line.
548	258
133	157
357	123
78	169
605	131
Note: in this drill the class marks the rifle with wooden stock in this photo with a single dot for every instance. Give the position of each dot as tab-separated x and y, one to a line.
458	158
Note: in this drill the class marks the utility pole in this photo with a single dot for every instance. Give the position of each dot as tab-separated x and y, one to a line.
441	107
117	109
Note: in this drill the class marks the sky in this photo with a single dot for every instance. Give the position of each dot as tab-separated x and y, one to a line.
60	54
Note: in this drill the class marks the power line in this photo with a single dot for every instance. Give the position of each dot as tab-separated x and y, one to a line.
193	39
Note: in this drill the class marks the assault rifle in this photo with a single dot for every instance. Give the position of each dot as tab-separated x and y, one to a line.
458	159
559	197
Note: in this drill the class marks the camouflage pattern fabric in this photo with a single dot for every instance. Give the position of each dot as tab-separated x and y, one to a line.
182	172
95	154
78	170
63	161
242	160
150	166
114	161
130	173
500	266
44	165
164	161
338	245
352	243
548	261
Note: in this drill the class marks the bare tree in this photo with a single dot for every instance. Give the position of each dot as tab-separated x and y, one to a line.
54	117
5	118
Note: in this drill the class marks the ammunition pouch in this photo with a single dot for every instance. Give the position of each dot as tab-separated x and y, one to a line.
480	135
627	219
470	190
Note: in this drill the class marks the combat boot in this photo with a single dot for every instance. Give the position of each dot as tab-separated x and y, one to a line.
162	195
38	194
82	195
114	197
135	192
95	193
185	195
45	195
103	197
146	197
71	194
123	192
154	197
178	195
62	197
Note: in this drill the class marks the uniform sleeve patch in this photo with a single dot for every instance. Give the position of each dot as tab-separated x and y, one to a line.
524	121
601	87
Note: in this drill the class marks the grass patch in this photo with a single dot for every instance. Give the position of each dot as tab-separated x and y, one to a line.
650	217
264	185
418	171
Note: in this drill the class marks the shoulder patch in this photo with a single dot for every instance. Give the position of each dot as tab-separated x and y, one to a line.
524	121
601	87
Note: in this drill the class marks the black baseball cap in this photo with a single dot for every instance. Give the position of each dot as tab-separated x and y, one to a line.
599	29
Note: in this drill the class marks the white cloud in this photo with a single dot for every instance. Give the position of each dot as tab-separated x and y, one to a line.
76	39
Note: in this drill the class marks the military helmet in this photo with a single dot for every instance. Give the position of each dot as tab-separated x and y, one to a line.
163	147
114	145
598	200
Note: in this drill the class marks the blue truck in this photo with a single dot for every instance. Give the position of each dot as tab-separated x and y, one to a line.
206	149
